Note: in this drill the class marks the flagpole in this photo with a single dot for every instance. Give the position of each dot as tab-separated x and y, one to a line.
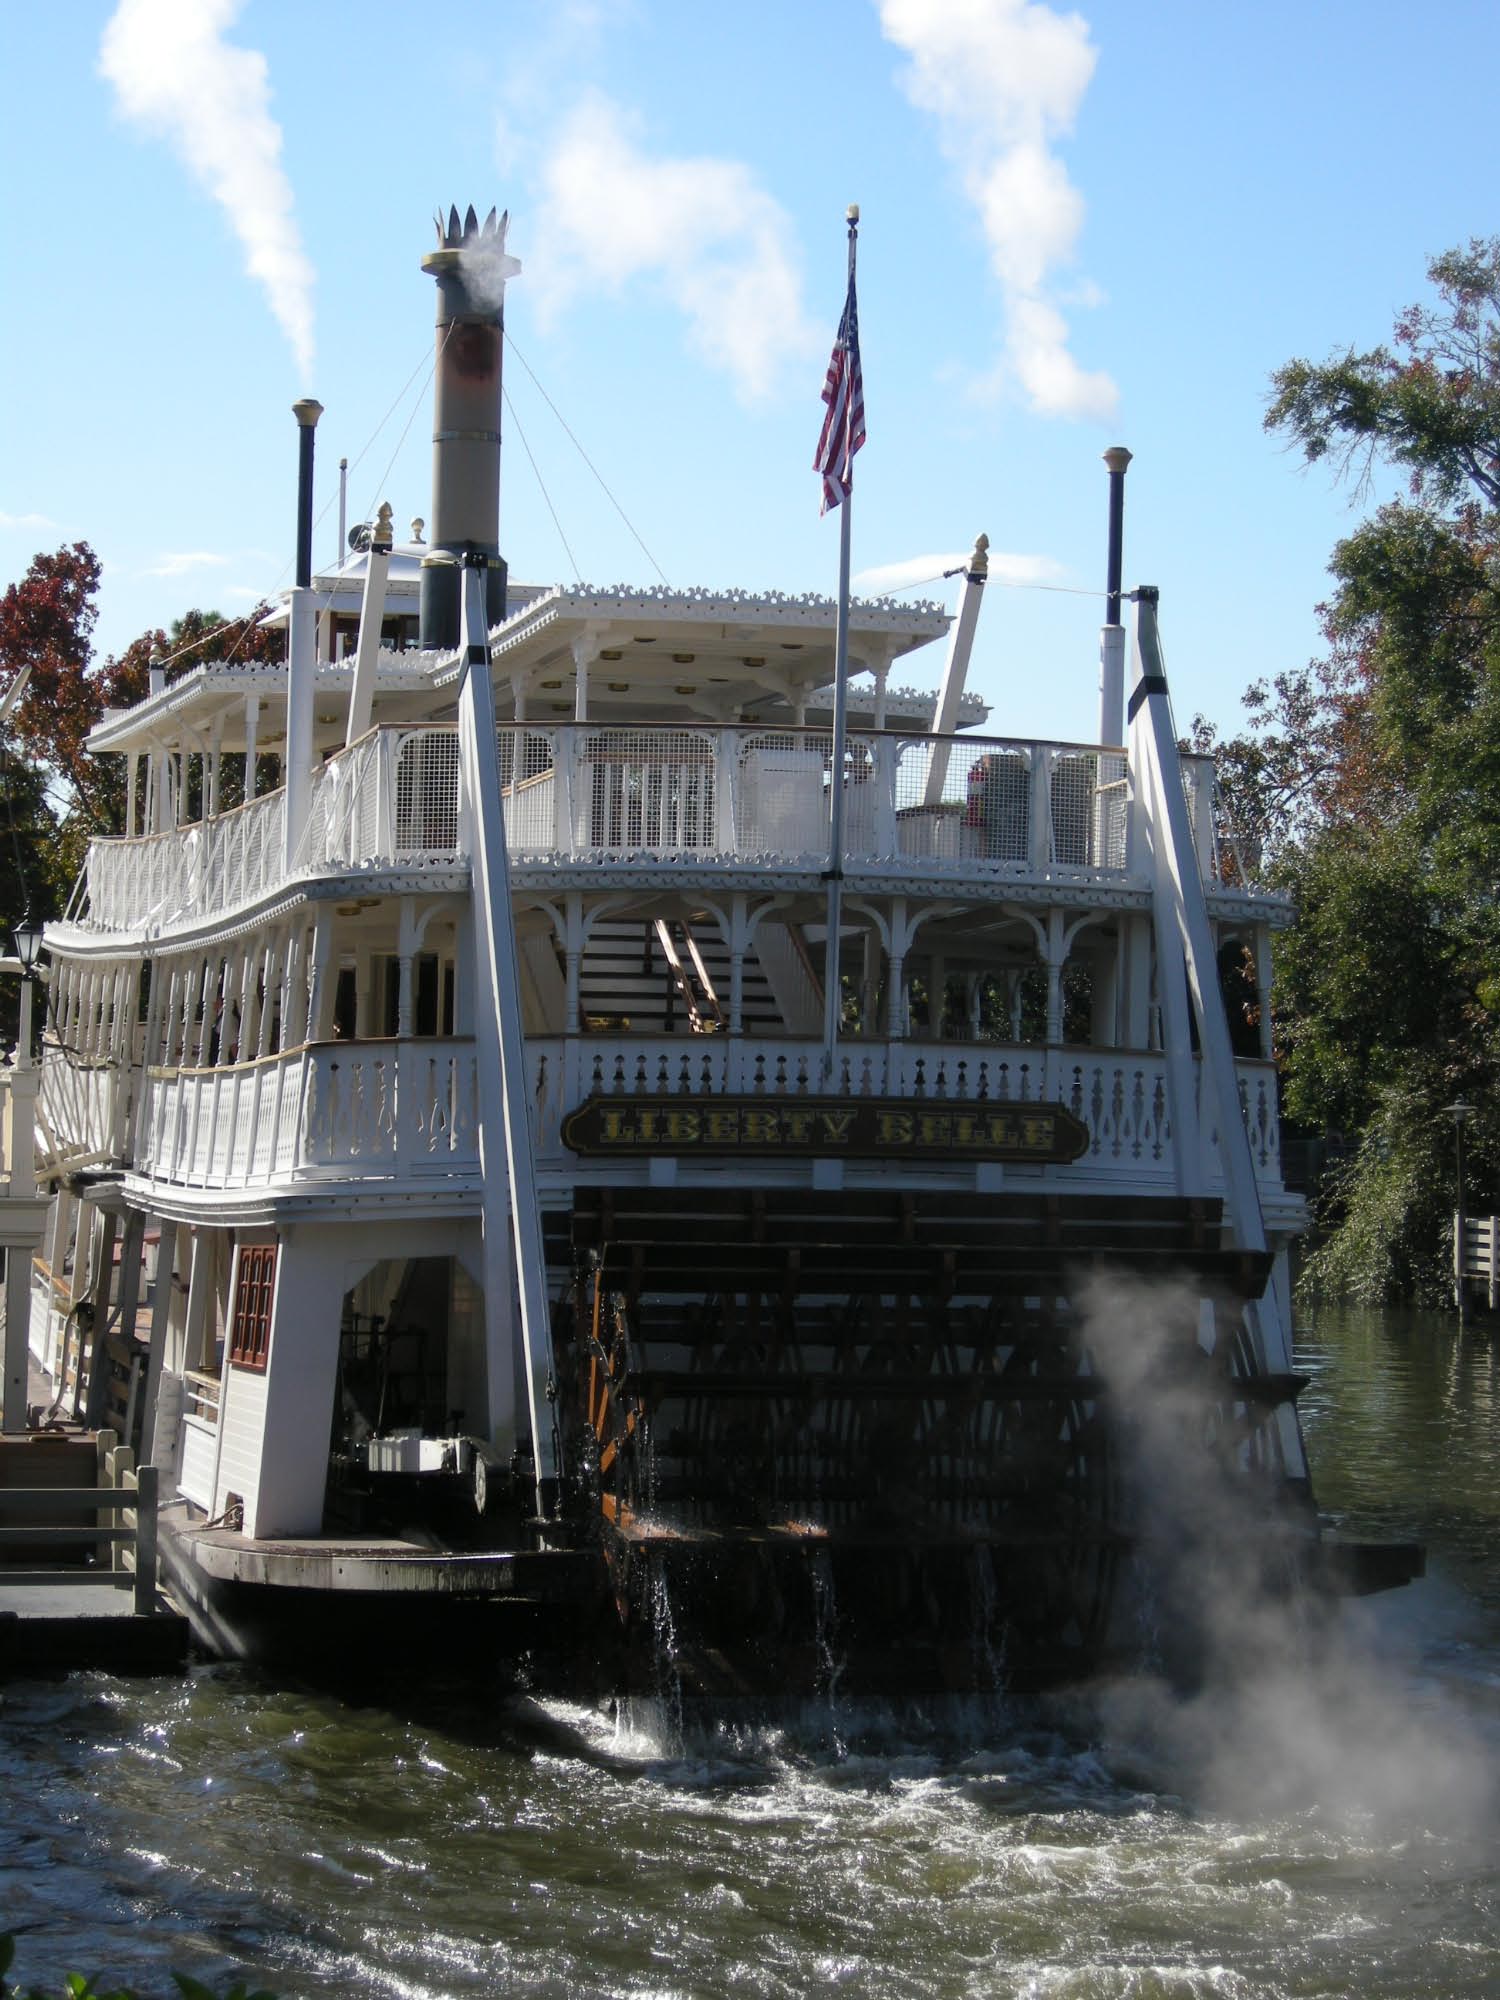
833	999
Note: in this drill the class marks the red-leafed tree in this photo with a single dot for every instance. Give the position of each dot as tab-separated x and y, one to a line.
47	625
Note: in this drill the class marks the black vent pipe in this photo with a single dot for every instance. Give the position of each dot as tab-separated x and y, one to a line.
1116	458
307	413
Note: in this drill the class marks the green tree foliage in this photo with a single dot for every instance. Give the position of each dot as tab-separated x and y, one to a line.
1374	776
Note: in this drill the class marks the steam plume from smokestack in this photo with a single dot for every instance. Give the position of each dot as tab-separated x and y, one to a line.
175	75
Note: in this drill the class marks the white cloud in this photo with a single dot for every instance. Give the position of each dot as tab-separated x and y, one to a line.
1004	80
175	75
1004	568
184	563
701	230
27	521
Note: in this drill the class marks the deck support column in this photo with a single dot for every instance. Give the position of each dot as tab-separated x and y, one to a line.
101	1284
895	1009
405	959
166	1254
1056	954
572	960
252	724
318	986
1262	952
739	944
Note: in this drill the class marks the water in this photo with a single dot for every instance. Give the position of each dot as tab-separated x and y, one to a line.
1326	1838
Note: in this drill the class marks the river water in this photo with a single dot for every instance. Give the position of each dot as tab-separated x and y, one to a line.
1328	1830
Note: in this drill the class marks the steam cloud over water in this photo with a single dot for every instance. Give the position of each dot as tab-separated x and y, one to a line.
174	74
1263	1700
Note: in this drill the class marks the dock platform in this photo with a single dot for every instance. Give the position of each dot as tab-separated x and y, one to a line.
78	1581
72	1627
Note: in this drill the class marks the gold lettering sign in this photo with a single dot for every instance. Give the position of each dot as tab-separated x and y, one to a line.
872	1128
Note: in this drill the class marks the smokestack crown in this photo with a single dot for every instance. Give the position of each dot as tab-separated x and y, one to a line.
471	265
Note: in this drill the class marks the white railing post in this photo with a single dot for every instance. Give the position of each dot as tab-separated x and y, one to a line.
567	747
883	833
726	789
1039	830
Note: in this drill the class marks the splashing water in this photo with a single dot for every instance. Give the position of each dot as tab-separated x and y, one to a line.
989	1659
665	1661
825	1641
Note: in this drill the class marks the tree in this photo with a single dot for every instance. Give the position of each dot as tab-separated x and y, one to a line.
1377	774
54	796
46	626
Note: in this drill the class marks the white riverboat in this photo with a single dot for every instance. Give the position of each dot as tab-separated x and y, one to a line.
492	1222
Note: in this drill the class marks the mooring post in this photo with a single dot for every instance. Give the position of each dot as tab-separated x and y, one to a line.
147	1481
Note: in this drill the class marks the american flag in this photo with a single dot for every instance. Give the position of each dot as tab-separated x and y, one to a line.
844	425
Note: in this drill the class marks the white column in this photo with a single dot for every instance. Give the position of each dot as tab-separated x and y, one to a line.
1056	952
301	719
895	999
17	1331
882	675
319	989
406	951
252	725
1262	945
267	1000
572	959
582	653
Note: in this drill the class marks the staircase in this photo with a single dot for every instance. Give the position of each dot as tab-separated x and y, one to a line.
664	977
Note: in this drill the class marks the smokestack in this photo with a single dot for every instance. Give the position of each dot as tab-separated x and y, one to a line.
307	413
471	267
1116	458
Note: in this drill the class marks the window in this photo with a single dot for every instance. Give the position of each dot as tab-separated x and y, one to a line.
255	1286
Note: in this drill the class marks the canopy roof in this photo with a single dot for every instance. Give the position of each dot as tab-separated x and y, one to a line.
648	655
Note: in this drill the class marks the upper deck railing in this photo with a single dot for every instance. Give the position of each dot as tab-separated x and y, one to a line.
955	807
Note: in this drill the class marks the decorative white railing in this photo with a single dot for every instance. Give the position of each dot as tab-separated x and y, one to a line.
578	792
959	807
164	878
391	800
748	793
84	1106
336	1110
1119	1095
408	1110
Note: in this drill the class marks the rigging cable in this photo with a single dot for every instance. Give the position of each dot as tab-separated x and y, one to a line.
531	459
587	460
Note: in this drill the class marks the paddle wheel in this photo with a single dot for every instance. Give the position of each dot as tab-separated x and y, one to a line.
864	1428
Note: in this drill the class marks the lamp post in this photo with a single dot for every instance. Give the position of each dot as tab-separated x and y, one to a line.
27	941
1460	1113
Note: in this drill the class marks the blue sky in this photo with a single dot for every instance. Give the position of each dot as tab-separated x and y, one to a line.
1079	228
